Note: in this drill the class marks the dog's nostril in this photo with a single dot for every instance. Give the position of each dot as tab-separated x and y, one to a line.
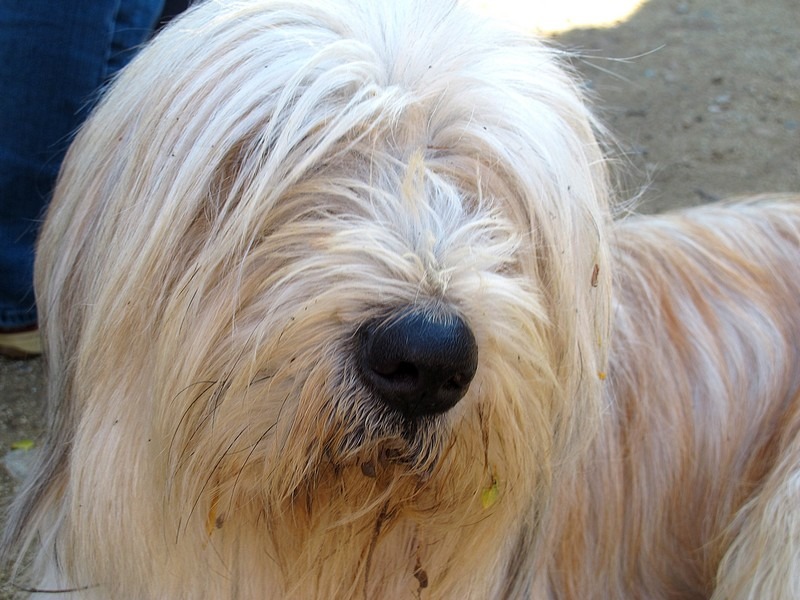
418	363
395	370
398	375
456	383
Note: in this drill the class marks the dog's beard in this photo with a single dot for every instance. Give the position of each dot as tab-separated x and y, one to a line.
328	428
355	432
367	432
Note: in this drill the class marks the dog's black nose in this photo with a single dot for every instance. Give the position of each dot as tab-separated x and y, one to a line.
418	363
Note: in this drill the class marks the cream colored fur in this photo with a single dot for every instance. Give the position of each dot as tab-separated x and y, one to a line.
266	177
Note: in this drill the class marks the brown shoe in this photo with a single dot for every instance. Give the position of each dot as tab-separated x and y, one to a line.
20	343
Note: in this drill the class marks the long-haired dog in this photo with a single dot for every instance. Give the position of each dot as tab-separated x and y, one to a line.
335	308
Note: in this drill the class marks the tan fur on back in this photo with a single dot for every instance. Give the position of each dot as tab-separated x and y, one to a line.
268	176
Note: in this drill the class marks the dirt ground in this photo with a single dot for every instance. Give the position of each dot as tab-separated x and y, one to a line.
703	97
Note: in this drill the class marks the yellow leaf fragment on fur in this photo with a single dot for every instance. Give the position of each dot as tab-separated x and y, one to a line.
601	375
490	495
211	520
23	445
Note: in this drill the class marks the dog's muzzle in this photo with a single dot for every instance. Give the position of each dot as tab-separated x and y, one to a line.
418	363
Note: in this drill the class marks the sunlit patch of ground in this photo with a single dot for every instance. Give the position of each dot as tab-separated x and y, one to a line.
548	17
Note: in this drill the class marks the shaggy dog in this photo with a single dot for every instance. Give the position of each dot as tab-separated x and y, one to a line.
335	308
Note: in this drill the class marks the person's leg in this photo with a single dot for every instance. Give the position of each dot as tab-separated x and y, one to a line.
55	55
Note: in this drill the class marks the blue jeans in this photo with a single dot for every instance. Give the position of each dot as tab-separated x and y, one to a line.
55	56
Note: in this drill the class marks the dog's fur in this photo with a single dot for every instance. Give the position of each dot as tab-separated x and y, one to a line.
268	176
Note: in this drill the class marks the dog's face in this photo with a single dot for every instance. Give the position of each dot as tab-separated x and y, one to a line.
284	212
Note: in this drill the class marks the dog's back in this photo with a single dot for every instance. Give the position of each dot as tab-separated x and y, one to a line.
698	487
